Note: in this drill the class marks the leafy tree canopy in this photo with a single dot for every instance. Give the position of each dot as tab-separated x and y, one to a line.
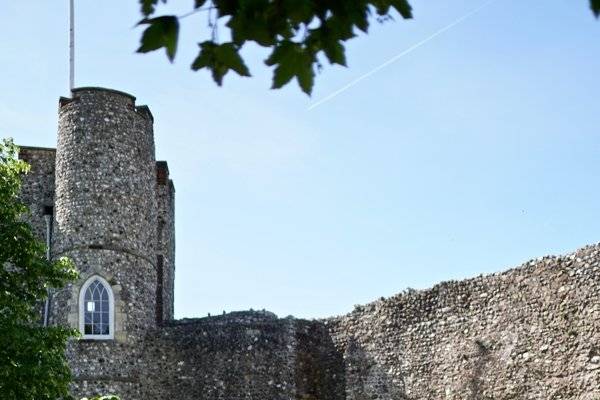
33	365
298	32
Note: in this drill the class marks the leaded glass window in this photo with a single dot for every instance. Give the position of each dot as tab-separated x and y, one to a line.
96	309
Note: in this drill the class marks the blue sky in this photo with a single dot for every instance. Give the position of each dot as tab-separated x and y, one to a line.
474	153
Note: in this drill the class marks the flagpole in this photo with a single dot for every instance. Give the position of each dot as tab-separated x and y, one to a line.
71	44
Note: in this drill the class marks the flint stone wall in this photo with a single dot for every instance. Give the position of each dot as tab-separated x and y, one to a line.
528	333
243	355
105	174
106	207
165	249
102	180
37	188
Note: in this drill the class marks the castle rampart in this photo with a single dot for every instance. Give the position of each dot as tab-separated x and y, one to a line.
243	355
528	333
532	332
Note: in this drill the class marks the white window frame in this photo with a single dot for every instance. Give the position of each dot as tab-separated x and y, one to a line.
111	309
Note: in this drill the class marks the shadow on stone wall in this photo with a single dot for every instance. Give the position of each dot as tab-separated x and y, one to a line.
319	366
481	358
368	379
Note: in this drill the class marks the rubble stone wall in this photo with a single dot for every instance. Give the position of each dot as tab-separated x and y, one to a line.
38	185
165	247
242	355
105	174
237	356
106	222
529	333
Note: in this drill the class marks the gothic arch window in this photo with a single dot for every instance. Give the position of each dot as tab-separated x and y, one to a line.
96	309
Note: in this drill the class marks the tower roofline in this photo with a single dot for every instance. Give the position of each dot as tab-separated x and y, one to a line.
102	89
92	90
115	95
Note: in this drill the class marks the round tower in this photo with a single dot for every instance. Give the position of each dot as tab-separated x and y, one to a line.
105	221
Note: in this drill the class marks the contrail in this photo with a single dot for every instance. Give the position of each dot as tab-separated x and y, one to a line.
400	55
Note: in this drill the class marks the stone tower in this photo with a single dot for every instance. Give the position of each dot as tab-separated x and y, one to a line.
113	216
105	203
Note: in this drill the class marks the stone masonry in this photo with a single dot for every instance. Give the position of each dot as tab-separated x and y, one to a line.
532	332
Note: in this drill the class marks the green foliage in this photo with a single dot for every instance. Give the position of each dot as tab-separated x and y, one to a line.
291	60
300	33
33	365
595	5
162	32
220	58
148	6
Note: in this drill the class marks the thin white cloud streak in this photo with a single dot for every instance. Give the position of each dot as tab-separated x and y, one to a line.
400	55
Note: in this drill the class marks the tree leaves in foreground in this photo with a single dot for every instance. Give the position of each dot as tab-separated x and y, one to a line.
300	33
595	5
33	365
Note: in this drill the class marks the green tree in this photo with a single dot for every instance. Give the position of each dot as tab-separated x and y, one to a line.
300	33
33	364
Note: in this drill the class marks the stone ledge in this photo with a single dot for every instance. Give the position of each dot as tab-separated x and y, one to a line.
101	378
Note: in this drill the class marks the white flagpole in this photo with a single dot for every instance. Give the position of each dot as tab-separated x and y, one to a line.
71	45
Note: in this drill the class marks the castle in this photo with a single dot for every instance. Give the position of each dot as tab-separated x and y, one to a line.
103	200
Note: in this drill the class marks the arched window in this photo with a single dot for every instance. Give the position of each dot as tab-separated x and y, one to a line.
96	309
